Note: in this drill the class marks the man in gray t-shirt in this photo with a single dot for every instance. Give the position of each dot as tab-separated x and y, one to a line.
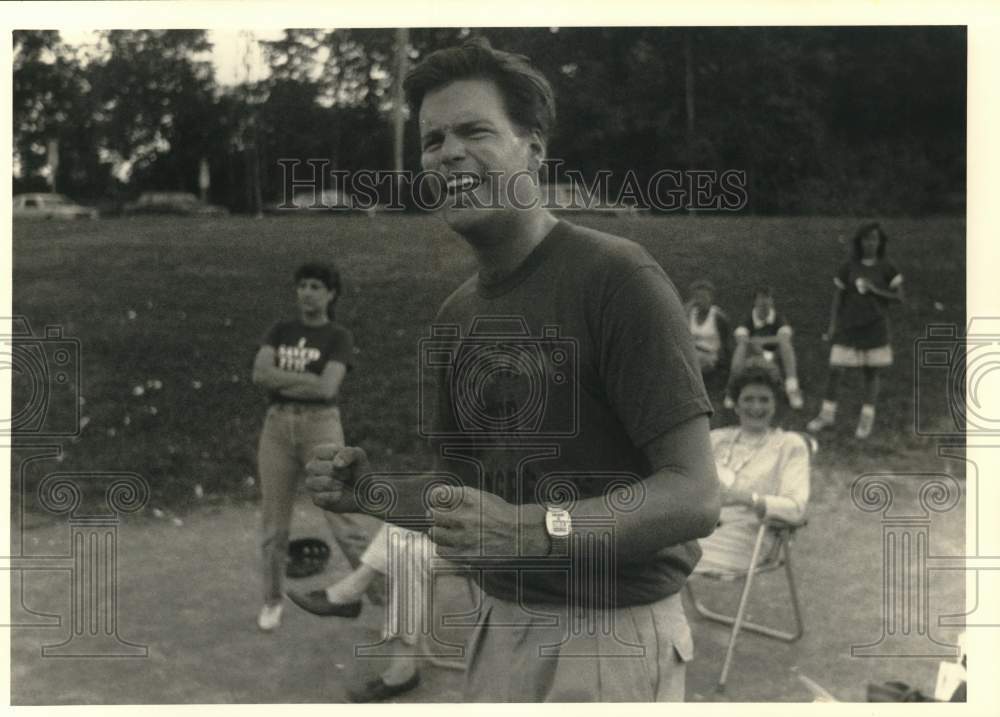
567	405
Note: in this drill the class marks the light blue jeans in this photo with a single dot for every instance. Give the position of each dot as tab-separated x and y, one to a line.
291	432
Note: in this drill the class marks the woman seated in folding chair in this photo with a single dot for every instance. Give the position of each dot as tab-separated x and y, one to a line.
764	472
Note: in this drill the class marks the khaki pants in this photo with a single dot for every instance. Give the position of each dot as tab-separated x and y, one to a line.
539	653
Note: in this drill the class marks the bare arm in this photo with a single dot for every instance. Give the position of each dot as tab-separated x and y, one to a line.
269	376
838	297
677	503
893	293
324	387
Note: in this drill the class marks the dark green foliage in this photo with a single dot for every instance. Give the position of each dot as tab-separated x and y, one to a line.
823	120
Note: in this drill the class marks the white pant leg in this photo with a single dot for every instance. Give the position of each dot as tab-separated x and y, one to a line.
404	557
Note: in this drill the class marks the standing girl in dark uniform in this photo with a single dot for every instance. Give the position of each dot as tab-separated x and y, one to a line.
301	363
859	324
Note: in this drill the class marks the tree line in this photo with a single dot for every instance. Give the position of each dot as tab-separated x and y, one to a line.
823	120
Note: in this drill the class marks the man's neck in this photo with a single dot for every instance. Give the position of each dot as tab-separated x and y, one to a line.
503	246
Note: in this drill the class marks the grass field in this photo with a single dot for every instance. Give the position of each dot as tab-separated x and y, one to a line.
184	302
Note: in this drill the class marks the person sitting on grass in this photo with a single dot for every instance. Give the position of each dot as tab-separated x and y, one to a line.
859	324
765	338
710	331
763	473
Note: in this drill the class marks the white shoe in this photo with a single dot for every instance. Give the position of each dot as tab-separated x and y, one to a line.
818	424
865	425
269	618
795	399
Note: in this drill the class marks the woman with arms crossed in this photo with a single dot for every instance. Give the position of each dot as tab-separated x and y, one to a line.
301	363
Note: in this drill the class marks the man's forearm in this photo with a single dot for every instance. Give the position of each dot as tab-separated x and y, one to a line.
668	509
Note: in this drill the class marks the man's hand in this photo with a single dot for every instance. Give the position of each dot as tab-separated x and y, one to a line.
468	523
332	474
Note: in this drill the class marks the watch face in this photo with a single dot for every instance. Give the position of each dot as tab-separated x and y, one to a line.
558	523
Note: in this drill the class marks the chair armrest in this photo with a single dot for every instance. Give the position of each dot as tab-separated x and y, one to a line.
778	524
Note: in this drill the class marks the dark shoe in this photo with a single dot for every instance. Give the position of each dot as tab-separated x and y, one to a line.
316	602
376	689
894	691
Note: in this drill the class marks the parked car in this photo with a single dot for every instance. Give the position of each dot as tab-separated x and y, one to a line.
183	203
331	200
39	205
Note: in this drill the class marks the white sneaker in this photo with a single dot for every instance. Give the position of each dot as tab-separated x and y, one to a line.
269	618
865	424
795	399
818	424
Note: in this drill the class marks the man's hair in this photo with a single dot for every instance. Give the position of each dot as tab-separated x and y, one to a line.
327	273
527	95
863	231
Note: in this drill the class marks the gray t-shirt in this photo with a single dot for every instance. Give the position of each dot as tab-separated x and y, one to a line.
549	383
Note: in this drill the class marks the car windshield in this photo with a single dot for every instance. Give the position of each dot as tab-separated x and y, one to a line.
55	199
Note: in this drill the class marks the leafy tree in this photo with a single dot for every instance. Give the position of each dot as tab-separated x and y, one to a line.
156	100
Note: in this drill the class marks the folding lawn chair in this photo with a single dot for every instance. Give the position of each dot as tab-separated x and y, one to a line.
778	557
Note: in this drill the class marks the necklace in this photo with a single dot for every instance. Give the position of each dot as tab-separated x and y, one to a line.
750	455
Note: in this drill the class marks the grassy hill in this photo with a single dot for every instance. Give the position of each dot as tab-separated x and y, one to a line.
169	313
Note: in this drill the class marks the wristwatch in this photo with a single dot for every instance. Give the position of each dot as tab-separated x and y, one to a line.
559	525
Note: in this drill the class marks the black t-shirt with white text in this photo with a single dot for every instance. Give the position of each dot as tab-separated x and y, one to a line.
301	348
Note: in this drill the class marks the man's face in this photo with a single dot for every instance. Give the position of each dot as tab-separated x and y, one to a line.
465	130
